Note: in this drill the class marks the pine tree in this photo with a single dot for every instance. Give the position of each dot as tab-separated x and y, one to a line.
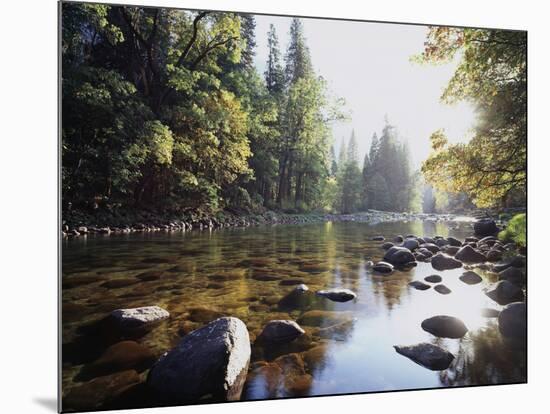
248	27
298	60
274	74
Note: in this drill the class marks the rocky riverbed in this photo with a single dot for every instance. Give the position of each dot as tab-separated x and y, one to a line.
77	224
360	303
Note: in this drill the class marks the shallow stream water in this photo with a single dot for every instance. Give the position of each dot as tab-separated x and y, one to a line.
198	276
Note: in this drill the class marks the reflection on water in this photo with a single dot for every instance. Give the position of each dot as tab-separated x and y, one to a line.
348	347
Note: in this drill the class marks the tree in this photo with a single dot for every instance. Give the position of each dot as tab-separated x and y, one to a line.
492	73
349	178
274	74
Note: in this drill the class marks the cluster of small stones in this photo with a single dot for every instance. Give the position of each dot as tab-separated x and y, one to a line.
230	220
475	251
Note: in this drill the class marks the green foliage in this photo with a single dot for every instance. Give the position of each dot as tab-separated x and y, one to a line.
492	73
516	230
164	108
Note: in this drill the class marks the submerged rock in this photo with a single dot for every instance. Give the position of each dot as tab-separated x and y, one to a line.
378	238
297	298
444	290
512	321
427	355
469	255
505	292
279	331
137	318
324	318
417	284
443	262
470	278
337	295
93	395
210	361
445	326
118	357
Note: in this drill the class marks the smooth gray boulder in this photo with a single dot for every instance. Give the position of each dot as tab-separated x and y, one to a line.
210	361
138	318
445	326
504	292
399	256
337	295
469	255
443	262
427	355
470	278
280	331
512	320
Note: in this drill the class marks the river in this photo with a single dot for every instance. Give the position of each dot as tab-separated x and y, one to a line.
200	275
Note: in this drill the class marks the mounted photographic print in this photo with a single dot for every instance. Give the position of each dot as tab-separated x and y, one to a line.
261	207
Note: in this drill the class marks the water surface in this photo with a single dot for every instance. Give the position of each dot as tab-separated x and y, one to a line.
199	276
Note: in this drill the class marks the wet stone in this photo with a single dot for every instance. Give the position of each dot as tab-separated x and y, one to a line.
119	357
99	391
445	326
417	284
470	277
444	290
433	278
427	355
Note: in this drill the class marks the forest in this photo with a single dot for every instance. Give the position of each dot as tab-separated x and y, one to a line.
165	110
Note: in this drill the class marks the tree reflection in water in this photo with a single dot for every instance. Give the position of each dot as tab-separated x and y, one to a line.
485	357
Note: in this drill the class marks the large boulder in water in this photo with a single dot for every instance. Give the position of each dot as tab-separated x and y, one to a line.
512	320
280	331
445	326
399	256
469	255
443	262
454	242
210	361
485	227
505	292
337	295
427	355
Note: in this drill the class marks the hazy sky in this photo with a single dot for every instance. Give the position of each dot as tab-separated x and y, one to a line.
368	65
